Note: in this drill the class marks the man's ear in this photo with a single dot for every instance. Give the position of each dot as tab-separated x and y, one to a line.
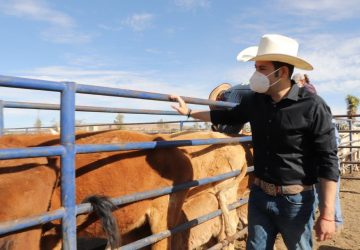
283	72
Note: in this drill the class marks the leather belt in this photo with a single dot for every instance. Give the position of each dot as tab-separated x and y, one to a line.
274	190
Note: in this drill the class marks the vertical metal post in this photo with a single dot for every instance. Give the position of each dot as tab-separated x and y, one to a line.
67	122
181	125
1	117
350	144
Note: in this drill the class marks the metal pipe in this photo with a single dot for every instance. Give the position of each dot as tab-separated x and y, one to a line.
25	83
22	223
67	138
93	148
45	106
348	142
349	131
19	224
1	117
86	208
107	124
230	239
167	233
335	116
17	153
350	139
350	162
97	90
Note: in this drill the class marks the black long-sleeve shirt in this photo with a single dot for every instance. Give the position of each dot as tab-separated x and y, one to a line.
294	139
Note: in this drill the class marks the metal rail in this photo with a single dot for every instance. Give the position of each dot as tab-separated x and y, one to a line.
22	223
67	149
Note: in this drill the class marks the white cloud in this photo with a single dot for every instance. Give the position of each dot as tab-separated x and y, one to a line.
139	22
35	10
192	4
323	9
65	36
335	59
142	81
87	60
109	27
61	26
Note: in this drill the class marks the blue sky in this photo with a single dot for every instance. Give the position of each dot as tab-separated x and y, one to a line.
185	47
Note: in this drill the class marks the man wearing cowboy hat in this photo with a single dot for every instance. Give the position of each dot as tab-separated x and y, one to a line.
294	147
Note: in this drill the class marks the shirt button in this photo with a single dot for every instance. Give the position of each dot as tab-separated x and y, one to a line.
267	137
269	120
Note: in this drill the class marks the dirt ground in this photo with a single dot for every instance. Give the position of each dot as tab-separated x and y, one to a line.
349	237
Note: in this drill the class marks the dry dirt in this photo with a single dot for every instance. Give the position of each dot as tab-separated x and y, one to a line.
349	237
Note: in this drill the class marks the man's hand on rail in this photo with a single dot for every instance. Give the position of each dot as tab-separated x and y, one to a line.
182	108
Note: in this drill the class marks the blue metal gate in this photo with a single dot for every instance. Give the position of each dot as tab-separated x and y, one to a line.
68	150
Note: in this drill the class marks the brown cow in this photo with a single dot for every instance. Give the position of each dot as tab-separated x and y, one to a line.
111	174
98	173
211	160
119	173
26	186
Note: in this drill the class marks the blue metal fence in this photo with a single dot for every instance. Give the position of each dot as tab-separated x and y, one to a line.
68	150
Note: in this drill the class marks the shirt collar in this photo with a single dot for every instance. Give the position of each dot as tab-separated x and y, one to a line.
294	92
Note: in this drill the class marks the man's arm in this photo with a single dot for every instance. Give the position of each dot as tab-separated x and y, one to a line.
325	225
235	116
325	150
201	115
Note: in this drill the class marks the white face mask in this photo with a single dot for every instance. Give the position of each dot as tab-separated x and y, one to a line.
260	83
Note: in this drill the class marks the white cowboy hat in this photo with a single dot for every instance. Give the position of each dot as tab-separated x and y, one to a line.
246	54
274	47
216	93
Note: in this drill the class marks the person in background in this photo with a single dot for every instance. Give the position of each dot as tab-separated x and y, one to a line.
294	147
225	92
303	80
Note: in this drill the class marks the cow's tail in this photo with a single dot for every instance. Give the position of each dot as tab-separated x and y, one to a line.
103	207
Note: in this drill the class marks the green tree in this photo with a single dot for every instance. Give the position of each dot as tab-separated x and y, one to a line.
352	105
119	120
38	123
55	125
160	124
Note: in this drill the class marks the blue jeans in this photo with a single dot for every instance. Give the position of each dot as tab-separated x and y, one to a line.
290	215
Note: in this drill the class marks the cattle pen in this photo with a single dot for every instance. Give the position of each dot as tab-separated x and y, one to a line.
68	149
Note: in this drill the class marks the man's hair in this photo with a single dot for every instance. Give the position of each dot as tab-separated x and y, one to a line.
290	67
306	78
